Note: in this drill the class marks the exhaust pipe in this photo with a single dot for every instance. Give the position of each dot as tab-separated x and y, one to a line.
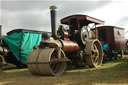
1	41
53	21
0	30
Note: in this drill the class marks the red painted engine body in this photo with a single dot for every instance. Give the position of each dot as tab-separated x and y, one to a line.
69	46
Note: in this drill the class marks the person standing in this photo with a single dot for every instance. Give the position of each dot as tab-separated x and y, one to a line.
106	50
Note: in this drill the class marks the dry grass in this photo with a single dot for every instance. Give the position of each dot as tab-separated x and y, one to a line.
111	73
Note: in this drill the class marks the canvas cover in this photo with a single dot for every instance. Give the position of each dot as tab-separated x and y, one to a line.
21	44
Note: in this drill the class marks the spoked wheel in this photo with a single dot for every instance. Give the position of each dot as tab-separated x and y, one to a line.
94	53
46	62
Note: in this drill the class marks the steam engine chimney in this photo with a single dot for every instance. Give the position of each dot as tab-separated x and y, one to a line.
0	30
53	21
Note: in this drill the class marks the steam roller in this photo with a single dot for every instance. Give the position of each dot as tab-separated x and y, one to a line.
75	46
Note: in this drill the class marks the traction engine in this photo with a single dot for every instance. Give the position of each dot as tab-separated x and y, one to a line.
76	47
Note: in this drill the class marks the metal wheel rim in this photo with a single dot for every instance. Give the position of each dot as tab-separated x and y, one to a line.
94	52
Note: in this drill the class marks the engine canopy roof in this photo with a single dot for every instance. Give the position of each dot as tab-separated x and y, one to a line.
84	19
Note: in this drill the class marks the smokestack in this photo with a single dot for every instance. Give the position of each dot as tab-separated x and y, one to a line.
53	21
0	30
1	35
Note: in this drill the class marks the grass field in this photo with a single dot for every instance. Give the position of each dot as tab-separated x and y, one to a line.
110	73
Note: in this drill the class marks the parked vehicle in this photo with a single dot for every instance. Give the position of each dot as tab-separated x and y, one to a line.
17	45
74	43
126	49
114	36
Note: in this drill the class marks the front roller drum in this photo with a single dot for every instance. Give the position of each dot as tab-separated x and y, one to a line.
94	53
46	62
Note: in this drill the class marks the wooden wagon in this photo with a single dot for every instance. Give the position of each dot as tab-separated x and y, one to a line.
113	35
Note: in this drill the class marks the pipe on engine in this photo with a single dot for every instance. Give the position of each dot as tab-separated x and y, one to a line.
0	30
53	21
3	51
0	34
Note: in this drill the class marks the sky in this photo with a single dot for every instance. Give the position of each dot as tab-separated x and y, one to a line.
35	14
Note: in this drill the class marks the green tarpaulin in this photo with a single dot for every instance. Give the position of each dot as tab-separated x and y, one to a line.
21	44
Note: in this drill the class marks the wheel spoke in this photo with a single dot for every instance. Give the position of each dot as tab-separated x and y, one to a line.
96	59
95	54
94	48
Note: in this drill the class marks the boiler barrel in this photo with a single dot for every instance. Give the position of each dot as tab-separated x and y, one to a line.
69	46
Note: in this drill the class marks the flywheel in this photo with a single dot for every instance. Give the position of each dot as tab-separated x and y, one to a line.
94	53
45	62
84	35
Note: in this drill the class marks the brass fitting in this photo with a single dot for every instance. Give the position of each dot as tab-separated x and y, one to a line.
53	7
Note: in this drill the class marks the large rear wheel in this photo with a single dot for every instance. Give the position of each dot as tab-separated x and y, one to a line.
94	53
